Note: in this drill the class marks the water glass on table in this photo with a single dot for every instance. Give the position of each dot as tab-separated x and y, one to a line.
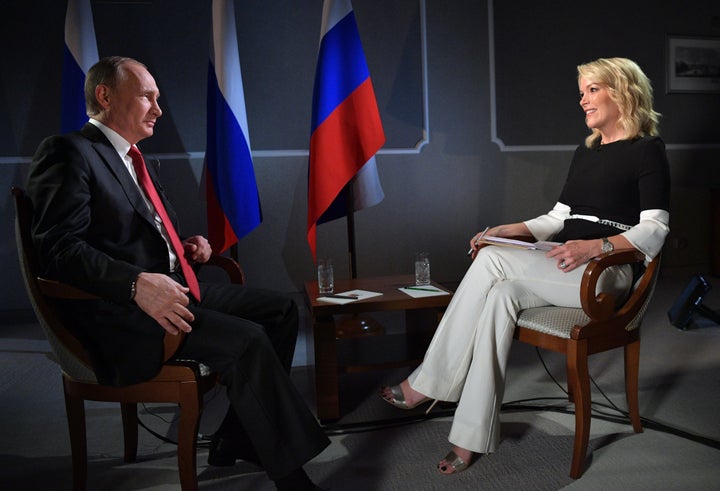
326	279
422	268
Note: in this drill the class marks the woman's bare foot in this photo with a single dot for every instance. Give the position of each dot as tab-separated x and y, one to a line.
456	461
406	397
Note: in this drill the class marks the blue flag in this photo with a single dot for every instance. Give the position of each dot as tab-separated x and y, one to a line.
233	202
79	55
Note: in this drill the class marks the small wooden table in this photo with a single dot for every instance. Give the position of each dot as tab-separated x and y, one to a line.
419	313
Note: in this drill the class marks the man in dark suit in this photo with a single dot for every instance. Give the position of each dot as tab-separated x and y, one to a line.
96	228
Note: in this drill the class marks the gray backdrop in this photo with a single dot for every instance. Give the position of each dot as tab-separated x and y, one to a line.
478	99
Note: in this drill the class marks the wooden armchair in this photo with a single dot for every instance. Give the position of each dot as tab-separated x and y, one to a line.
600	325
183	383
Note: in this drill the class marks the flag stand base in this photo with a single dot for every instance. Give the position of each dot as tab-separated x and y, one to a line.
356	325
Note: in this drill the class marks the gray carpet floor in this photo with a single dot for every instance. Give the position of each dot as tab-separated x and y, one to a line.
377	447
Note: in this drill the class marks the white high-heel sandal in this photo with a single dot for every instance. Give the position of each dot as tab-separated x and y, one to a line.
455	462
398	400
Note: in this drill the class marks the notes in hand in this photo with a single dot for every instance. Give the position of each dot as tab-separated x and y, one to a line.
540	245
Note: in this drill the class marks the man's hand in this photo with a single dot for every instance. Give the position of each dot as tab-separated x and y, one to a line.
165	300
197	249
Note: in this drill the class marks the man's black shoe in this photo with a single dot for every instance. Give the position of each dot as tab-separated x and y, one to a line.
224	452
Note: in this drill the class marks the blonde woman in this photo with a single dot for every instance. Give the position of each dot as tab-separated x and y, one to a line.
616	195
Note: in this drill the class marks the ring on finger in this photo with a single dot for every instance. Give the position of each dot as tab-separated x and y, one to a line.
563	265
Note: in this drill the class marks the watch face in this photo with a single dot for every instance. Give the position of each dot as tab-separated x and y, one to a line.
607	246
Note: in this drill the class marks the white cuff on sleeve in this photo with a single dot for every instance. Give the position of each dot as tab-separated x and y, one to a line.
545	226
648	236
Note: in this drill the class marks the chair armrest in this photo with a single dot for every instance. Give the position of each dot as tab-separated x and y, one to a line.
63	291
59	290
236	275
56	289
171	343
603	305
230	266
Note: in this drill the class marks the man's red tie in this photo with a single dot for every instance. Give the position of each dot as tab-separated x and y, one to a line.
150	191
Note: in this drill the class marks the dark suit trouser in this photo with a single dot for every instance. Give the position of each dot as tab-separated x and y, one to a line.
248	336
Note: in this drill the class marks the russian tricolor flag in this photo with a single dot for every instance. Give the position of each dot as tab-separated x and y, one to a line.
79	55
233	203
346	127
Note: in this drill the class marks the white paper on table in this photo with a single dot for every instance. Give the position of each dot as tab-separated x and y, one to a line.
423	291
358	294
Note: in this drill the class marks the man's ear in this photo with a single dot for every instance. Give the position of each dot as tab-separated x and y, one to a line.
102	95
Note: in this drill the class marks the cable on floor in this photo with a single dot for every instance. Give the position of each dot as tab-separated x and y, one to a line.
202	440
598	411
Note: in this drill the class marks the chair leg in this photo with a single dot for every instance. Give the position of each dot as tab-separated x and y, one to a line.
190	411
577	361
632	369
130	430
570	390
75	409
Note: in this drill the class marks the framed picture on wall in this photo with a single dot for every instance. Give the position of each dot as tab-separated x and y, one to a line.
693	64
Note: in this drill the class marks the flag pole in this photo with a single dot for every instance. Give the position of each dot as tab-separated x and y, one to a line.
355	325
351	229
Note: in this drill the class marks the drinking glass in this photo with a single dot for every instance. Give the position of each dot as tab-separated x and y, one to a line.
326	280
422	268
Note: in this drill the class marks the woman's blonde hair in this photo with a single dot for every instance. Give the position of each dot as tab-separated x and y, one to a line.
630	89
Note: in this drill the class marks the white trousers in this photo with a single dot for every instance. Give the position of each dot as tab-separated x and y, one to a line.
467	357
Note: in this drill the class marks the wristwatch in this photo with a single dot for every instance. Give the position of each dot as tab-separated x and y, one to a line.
607	246
133	290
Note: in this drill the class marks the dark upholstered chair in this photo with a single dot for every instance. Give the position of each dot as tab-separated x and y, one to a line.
183	383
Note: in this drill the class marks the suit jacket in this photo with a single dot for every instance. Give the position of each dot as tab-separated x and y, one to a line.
93	230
